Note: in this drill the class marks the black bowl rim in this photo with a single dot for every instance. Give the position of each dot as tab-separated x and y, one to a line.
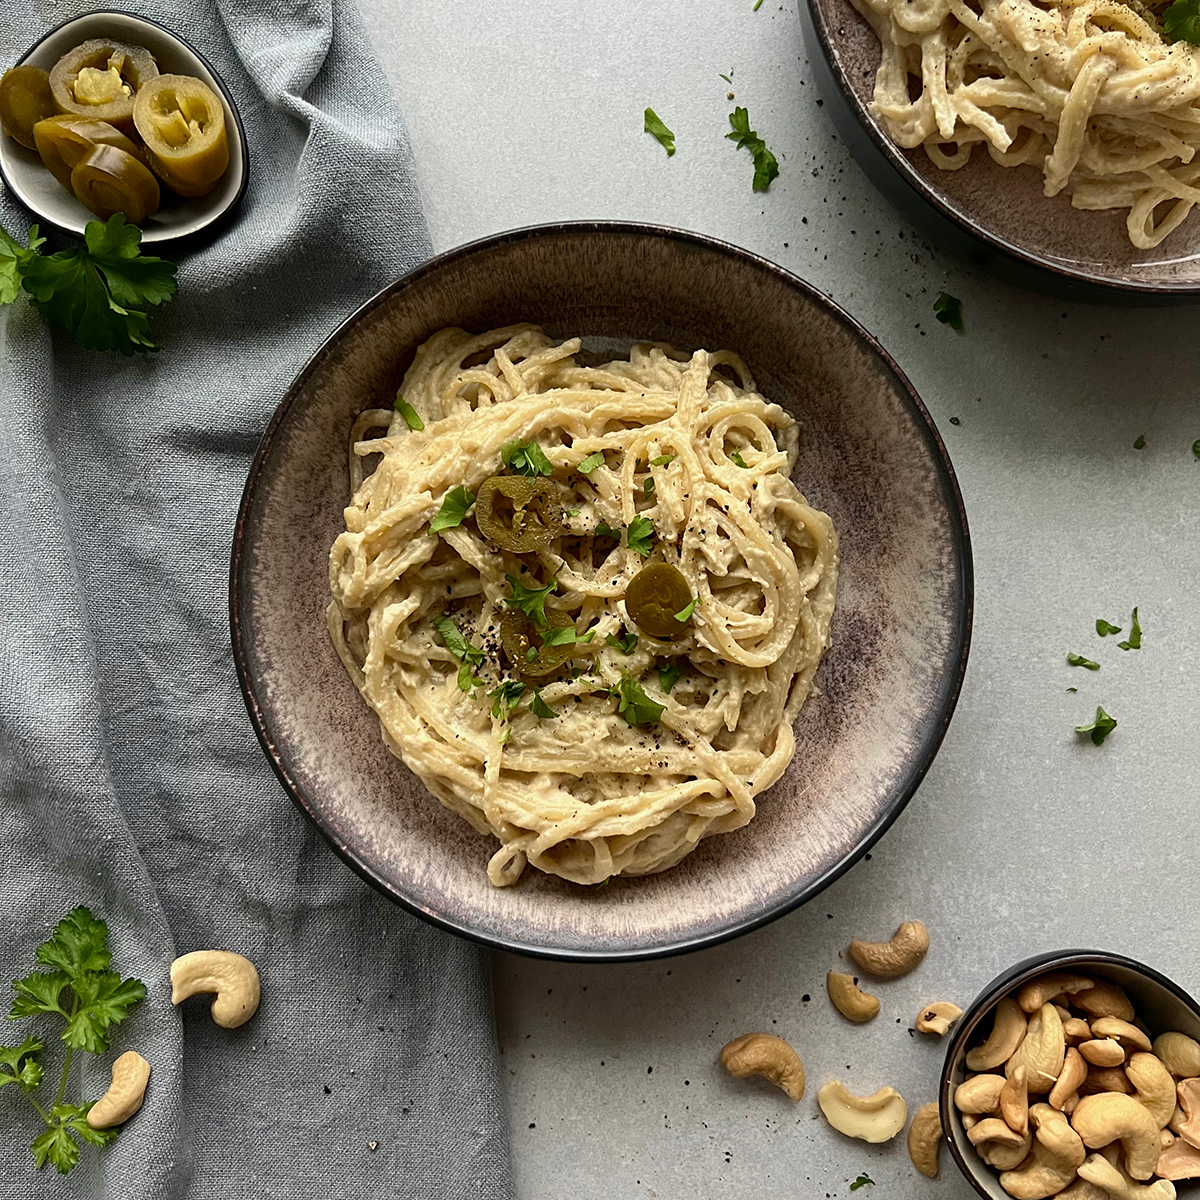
1001	986
213	223
950	688
932	196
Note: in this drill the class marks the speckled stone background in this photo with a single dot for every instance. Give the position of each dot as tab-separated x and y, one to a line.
1021	838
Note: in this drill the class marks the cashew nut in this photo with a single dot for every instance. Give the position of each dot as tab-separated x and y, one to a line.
1166	1139
1106	1079
1057	1154
1117	1185
1153	1086
1110	1117
938	1017
925	1139
1103	1052
1179	1161
979	1094
890	960
1129	1035
1188	1126
1179	1053
969	1121
1104	1000
1077	1030
232	977
130	1074
999	1146
1082	1190
1008	1031
1014	1102
766	1055
1032	995
1042	1052
853	1003
1070	1078
875	1118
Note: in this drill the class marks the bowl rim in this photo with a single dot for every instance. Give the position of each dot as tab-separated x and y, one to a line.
208	224
950	687
925	191
1003	984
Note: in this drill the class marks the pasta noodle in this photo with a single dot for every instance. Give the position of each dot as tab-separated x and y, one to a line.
1088	90
580	791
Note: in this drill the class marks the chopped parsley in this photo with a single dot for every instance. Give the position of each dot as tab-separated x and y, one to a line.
948	310
505	697
1100	728
1135	635
648	487
1103	628
455	505
738	461
539	707
757	5
589	464
654	125
686	613
530	601
662	460
1140	444
668	676
411	417
565	636
634	705
626	643
726	78
862	1181
468	655
525	458
1181	22
639	535
1077	660
570	512
766	167
603	530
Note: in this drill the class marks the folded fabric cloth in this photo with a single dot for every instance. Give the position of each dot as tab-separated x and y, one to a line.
130	780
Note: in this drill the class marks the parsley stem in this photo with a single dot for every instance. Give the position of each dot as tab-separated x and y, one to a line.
40	1110
66	1071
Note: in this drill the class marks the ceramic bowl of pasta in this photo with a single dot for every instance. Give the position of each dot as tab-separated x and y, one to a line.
1061	136
601	591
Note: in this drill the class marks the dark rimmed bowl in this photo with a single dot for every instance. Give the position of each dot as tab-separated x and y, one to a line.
995	215
1159	1001
179	216
870	456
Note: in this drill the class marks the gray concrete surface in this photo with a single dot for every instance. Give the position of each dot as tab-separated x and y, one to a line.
1023	838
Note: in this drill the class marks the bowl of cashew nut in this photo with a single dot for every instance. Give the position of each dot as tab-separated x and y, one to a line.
1076	1075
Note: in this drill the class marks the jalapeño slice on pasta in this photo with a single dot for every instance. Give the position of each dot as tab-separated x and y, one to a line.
654	596
518	513
523	647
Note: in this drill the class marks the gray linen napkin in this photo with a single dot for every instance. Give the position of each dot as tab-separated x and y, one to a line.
130	779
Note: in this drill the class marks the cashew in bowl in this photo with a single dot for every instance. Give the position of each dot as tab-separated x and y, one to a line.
997	1145
1179	1161
1110	1117
130	1074
853	1003
1153	1087
1128	1035
1102	1052
979	1094
890	960
232	977
875	1118
925	1139
1057	1154
1179	1053
1106	1079
1074	1072
1104	1000
1046	988
766	1055
1014	1102
1008	1031
938	1017
1188	1125
1042	1051
1115	1184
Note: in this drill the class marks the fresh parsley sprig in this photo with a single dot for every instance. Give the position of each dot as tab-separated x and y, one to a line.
468	655
530	601
639	535
525	458
766	167
1181	22
81	990
634	705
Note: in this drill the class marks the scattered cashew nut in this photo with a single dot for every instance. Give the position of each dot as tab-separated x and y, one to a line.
130	1074
849	999
938	1017
1117	1185
1102	1052
1110	1117
1179	1053
1008	1031
1032	995
890	960
875	1118
1188	1126
1057	1154
1042	1052
979	1094
925	1139
232	977
1153	1086
1179	1161
766	1055
999	1146
1070	1078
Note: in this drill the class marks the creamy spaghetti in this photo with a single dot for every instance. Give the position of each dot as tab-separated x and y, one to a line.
636	745
1089	91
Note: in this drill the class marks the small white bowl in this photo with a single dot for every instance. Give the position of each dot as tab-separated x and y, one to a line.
179	216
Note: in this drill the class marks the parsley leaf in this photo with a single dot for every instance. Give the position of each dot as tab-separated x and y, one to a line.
104	999
665	137
411	417
79	943
757	5
766	167
539	707
40	992
1181	22
1140	443
530	601
634	705
686	613
525	458
948	310
668	676
626	643
467	679
738	461
1100	728
456	503
639	535
648	487
862	1181
565	636
588	465
13	257
1103	628
662	460
1135	635
454	641
21	1063
603	530
505	696
1077	660
57	1147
